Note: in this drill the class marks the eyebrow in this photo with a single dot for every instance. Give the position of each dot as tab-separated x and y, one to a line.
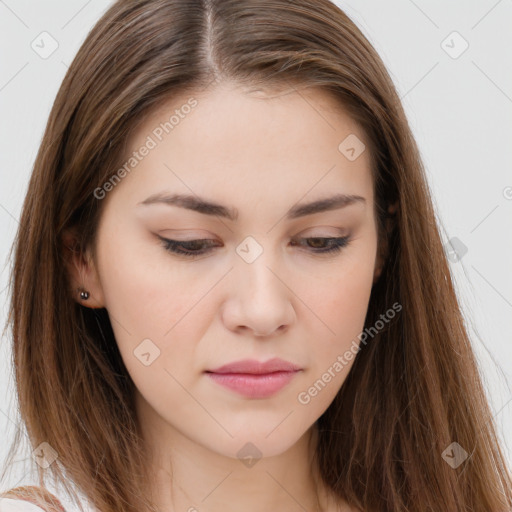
206	207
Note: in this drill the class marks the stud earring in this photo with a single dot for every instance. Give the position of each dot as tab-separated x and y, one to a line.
84	295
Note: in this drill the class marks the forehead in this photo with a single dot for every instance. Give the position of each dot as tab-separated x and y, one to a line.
232	142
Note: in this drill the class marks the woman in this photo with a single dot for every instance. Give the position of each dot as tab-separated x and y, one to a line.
229	287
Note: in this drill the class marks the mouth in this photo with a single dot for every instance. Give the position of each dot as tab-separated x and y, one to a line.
254	385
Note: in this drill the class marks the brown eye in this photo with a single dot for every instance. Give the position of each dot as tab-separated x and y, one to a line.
188	248
327	245
192	248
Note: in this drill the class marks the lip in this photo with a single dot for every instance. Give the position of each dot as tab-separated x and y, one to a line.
255	379
256	367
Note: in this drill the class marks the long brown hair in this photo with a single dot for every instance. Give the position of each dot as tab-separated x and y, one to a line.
412	391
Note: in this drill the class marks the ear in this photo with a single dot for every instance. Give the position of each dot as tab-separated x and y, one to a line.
383	251
82	272
379	262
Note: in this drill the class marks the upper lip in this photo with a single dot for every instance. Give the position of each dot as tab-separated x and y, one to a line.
256	367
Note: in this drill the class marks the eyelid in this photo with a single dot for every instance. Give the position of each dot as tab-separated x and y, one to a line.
310	232
193	234
335	246
325	232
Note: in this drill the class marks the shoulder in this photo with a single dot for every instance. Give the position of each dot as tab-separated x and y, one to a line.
34	498
17	505
30	498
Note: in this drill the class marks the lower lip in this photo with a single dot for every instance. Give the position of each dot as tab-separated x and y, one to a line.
254	386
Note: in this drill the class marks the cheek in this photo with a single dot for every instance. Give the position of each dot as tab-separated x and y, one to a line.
156	326
155	310
339	304
145	291
346	304
338	298
341	310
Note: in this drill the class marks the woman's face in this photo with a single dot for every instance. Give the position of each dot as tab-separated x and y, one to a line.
260	286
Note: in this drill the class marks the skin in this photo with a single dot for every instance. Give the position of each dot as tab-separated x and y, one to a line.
261	153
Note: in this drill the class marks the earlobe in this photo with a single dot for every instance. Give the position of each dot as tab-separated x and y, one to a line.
378	270
85	286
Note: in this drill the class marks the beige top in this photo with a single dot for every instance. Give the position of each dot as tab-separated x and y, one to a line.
17	505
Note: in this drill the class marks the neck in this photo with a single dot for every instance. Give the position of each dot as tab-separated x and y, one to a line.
190	477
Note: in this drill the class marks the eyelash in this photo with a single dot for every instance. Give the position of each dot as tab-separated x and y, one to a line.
338	243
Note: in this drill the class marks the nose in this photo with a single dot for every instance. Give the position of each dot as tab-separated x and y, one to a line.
259	300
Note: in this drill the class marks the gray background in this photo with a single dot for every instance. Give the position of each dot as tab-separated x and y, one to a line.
460	110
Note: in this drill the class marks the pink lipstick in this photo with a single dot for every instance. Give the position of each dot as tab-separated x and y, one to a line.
254	379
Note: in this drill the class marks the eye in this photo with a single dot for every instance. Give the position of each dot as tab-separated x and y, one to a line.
334	244
188	248
194	248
